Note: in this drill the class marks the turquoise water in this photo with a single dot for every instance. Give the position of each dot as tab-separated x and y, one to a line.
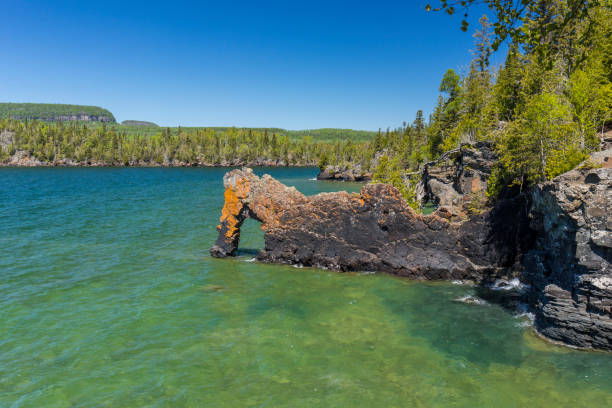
108	298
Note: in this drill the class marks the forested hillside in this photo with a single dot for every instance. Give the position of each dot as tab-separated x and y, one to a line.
544	110
109	145
327	135
54	112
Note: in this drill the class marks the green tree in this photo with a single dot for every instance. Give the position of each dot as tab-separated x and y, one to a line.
542	143
390	172
507	88
590	95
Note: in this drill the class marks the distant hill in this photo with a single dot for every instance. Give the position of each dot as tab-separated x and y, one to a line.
334	134
138	123
94	115
54	112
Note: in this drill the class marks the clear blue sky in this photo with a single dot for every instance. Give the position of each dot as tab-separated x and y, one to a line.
289	64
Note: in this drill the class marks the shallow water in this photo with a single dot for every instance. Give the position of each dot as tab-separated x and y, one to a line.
108	298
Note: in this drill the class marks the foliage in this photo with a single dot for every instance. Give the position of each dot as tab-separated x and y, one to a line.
507	88
50	111
322	135
389	171
541	143
545	107
327	134
531	23
591	101
110	145
476	202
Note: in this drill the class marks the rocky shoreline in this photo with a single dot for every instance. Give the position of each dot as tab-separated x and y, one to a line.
556	238
344	173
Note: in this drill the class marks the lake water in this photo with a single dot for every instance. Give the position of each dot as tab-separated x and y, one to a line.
109	298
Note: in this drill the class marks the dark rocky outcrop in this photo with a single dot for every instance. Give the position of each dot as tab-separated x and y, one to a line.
374	230
570	268
458	176
344	173
557	237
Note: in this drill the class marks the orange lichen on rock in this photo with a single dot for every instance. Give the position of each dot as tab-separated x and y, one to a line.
230	212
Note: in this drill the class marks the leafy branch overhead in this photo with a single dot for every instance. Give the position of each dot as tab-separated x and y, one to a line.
529	23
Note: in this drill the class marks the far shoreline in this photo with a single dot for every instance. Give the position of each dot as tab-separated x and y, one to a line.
155	165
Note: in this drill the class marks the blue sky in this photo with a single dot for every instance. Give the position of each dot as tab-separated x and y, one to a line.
290	64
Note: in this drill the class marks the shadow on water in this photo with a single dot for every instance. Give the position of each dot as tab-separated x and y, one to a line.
476	333
509	300
248	251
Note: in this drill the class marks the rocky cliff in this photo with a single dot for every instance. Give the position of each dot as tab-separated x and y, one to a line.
557	238
570	267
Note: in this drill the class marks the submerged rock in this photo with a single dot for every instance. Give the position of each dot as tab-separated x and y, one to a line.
374	230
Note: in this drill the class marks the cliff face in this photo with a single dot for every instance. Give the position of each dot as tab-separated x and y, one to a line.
458	177
570	268
374	230
558	238
81	117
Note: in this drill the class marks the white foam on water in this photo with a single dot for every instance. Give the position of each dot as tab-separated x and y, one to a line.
513	284
251	260
527	318
312	179
524	323
299	266
471	300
